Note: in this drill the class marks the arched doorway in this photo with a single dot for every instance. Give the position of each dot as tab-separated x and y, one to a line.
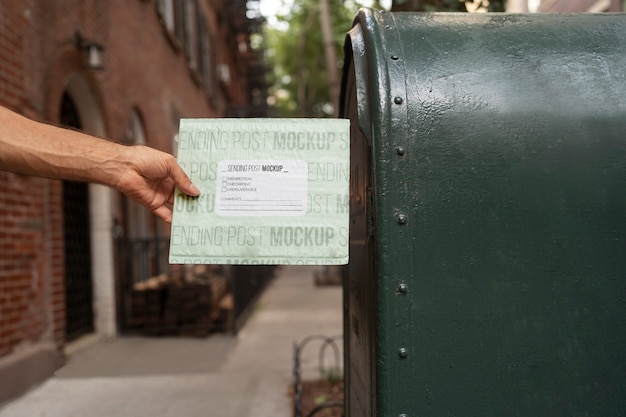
76	231
88	228
138	217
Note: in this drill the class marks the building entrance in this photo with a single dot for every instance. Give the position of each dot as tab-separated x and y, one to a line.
78	283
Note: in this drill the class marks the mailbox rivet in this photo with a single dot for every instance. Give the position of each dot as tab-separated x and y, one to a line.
395	57
403	288
398	100
400	150
402	353
401	218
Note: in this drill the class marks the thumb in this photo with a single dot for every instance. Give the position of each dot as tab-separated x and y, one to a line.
182	181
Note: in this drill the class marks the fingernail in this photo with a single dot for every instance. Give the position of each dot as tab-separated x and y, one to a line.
194	190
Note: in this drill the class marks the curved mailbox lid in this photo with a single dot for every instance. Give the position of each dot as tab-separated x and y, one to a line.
492	66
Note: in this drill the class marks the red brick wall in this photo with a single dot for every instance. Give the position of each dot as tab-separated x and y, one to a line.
30	285
24	281
12	24
144	70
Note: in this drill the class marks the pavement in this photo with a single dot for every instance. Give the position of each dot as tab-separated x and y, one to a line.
243	375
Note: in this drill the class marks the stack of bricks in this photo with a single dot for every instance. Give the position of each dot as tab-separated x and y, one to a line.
196	303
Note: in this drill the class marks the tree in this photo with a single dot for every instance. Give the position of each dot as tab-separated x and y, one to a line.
306	55
428	6
447	5
330	53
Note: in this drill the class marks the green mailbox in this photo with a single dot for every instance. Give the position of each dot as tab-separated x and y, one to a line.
487	270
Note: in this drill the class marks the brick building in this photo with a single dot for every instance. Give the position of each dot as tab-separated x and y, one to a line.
59	241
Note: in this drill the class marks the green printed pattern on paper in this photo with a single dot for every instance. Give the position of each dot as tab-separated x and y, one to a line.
273	191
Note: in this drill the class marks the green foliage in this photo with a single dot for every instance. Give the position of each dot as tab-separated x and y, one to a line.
296	51
447	5
331	375
299	81
320	399
490	5
429	6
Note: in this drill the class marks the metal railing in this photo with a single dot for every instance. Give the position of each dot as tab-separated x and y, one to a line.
247	282
325	343
137	261
140	259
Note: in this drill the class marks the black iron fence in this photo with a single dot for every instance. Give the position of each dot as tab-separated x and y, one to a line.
331	373
247	282
141	259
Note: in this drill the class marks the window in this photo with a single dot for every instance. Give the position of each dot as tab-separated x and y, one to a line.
137	221
534	5
134	132
179	17
600	6
191	38
166	12
137	216
205	54
187	27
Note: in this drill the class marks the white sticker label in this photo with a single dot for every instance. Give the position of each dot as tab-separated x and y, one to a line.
261	188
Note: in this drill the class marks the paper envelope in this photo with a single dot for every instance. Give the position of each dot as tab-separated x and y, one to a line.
273	191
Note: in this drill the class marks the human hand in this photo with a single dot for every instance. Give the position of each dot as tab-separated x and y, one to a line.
144	174
150	176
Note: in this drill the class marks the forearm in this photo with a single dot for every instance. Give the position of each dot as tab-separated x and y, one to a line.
32	148
146	175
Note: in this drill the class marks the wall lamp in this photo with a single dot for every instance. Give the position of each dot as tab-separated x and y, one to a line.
93	52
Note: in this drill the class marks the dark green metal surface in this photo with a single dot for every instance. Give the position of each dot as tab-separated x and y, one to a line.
487	270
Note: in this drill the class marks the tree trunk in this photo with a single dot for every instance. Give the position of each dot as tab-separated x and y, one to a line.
303	72
428	5
330	53
407	6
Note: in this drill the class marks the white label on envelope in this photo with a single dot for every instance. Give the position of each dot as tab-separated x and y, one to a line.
261	188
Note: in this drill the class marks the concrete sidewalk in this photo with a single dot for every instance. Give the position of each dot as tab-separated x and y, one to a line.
247	375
